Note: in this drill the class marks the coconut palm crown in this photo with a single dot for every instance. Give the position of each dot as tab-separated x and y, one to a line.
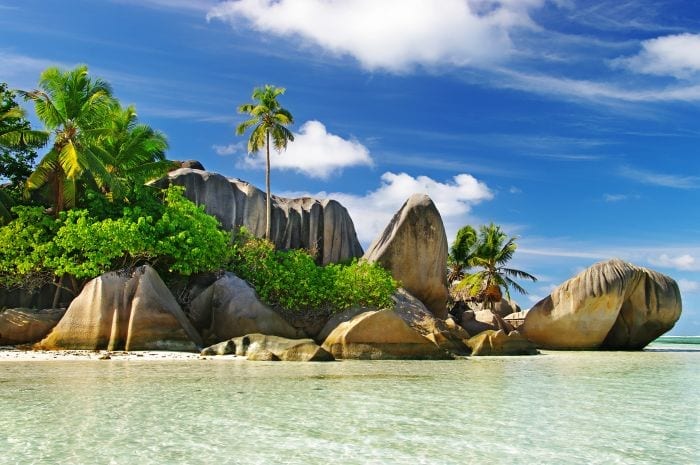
268	120
75	109
491	253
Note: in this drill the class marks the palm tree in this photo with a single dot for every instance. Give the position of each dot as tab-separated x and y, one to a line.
15	136
269	120
132	153
75	108
461	253
492	254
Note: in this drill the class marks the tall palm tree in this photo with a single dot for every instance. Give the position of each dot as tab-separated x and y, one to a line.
132	153
493	251
75	108
269	120
461	253
15	135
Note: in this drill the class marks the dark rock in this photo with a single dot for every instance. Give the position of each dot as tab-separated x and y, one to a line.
24	325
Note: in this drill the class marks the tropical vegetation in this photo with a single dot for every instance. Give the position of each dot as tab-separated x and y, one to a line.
268	120
89	207
489	251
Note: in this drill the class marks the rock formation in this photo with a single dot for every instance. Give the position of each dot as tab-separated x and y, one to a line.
413	247
261	347
24	325
482	320
322	226
230	308
499	343
124	311
612	304
407	331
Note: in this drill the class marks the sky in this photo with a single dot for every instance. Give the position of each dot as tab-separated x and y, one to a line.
573	124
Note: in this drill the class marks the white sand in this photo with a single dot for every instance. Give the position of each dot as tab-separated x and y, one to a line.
9	354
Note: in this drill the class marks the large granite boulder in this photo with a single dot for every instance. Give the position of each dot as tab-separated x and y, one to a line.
124	311
322	226
501	343
612	304
445	334
230	308
25	325
475	322
407	331
413	247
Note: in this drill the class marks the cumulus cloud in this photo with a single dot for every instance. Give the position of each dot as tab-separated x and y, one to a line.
315	152
373	211
674	55
393	35
684	262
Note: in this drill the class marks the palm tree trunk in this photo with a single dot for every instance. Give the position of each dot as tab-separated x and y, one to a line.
268	205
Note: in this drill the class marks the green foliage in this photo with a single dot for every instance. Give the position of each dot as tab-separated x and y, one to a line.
461	253
491	251
177	237
292	280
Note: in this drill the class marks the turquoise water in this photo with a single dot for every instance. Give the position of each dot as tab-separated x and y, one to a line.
557	408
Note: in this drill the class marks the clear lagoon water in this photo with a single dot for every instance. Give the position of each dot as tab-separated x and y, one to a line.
556	408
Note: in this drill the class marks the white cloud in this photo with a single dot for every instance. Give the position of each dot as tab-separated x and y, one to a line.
661	179
372	212
314	152
674	55
230	149
688	286
685	262
393	35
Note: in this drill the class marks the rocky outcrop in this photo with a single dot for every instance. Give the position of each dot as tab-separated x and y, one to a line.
322	226
445	334
230	308
501	343
475	322
261	347
256	347
413	247
515	319
124	311
612	304
24	325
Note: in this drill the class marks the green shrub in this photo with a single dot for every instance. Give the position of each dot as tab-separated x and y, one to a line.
178	237
291	279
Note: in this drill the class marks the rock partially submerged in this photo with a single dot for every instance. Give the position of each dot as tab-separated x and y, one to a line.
501	343
611	305
230	308
124	311
322	226
26	325
413	247
261	347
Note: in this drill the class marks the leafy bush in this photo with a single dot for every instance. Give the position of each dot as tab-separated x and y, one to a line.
292	280
180	238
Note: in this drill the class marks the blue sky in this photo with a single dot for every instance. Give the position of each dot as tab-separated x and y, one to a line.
575	124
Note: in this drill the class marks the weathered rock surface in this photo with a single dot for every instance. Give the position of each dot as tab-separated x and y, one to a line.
259	346
24	325
515	319
499	343
323	226
501	308
612	304
413	247
124	311
475	322
230	308
445	334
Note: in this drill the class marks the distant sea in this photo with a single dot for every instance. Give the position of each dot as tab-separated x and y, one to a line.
563	408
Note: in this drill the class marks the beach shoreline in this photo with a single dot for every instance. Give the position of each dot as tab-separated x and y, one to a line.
11	354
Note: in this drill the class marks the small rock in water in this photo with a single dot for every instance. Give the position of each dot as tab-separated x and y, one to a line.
105	357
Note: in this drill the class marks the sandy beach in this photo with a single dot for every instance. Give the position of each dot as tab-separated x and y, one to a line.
11	354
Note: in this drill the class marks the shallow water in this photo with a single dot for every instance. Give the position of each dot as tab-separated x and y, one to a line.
556	408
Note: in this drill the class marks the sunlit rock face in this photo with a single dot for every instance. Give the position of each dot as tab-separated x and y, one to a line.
322	226
612	304
413	247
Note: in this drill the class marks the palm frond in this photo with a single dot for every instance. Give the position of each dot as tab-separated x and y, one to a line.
518	274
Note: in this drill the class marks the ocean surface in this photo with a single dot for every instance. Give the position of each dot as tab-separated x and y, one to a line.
556	408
